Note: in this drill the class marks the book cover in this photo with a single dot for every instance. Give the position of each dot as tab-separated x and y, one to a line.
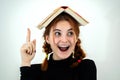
59	10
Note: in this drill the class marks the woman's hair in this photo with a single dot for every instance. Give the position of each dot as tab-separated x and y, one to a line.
78	52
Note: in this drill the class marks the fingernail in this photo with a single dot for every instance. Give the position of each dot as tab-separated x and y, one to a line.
34	51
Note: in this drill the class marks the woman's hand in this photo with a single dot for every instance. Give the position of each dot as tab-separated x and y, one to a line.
28	50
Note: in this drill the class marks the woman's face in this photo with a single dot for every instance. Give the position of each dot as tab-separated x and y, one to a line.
62	39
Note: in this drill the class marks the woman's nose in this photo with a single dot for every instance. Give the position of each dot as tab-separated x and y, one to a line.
64	39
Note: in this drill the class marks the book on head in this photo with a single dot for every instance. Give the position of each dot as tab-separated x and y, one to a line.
59	10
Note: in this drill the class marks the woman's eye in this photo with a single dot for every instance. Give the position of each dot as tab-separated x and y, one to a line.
57	33
70	33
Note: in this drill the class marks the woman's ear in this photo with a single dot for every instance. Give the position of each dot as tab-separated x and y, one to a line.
47	39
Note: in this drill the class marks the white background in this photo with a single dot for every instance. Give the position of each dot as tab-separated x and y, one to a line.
100	38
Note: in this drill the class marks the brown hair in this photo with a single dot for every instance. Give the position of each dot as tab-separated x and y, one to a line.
78	53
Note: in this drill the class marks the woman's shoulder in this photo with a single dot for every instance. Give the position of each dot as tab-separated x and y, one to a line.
87	65
87	62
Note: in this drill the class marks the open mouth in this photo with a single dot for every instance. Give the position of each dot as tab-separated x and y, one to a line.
63	49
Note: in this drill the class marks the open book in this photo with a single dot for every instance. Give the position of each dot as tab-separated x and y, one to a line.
59	10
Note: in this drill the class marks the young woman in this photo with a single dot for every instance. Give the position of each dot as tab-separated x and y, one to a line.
66	60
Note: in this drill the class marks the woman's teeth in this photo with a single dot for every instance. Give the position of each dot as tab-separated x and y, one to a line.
63	48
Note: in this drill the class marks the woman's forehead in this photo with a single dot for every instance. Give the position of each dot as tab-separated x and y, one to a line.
63	25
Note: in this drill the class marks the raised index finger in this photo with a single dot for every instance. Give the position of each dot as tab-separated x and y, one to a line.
28	35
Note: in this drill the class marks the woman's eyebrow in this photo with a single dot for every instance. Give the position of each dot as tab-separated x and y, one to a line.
60	30
56	30
70	29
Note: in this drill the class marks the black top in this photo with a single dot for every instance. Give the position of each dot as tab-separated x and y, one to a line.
61	70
